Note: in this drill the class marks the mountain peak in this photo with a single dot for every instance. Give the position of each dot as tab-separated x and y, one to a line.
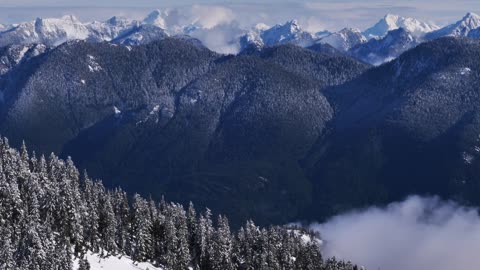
472	15
462	28
471	20
290	26
345	39
119	21
391	22
288	33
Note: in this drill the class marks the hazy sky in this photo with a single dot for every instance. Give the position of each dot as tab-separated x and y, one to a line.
319	14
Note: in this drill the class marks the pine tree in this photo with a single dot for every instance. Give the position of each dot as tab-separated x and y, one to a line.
6	251
182	249
141	228
223	246
107	224
123	220
90	215
204	239
170	257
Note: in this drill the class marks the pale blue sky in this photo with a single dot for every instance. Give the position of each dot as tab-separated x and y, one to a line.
320	14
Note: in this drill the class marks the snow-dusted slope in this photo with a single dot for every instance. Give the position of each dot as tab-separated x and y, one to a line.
461	28
288	33
97	262
345	39
12	55
54	31
392	22
475	33
110	29
379	51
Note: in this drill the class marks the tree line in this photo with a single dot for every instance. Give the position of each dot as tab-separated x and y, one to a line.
51	214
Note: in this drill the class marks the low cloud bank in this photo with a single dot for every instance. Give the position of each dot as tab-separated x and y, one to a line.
417	234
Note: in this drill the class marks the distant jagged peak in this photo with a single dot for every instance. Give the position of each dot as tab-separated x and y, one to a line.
290	26
471	20
471	15
345	39
461	28
119	21
392	22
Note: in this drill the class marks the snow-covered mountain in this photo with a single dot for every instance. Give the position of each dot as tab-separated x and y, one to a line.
391	22
345	39
289	33
461	28
379	51
54	31
142	34
224	37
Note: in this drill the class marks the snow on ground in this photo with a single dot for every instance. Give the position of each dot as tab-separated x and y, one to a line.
116	110
21	54
114	263
92	64
465	71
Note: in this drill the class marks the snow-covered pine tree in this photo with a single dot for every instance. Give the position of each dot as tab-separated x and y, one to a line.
203	241
107	223
123	219
223	246
182	249
141	237
90	215
192	230
6	251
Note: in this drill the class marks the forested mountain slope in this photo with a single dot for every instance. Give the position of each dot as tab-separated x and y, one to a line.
408	127
172	117
278	135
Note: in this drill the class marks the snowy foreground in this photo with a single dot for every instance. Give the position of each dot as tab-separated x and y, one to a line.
114	263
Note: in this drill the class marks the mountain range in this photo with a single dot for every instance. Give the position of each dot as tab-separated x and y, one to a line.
279	132
159	24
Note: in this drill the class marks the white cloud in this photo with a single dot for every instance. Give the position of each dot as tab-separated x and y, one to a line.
211	16
220	38
417	234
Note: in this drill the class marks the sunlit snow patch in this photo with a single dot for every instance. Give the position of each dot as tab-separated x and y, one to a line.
97	262
465	71
92	64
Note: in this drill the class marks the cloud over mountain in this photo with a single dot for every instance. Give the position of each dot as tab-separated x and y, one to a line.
416	234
